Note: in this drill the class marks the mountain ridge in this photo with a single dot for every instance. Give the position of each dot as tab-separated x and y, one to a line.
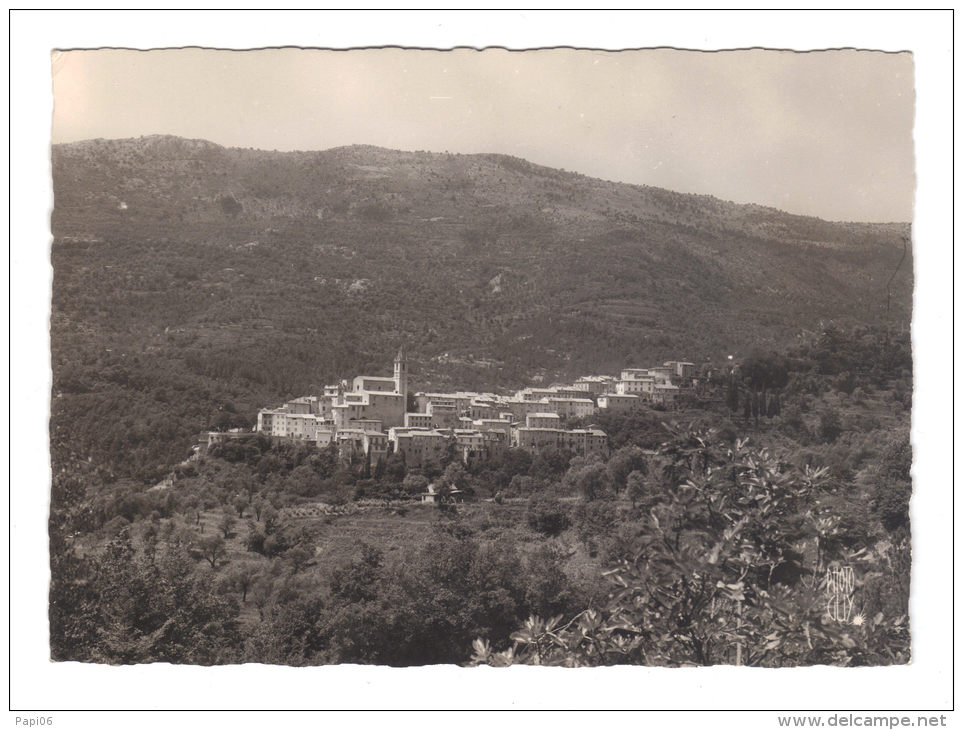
360	147
226	279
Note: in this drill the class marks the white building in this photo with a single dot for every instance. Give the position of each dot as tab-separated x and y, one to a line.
619	403
595	384
419	445
542	420
579	441
571	407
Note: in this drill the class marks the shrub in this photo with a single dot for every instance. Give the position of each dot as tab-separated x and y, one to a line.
891	499
547	515
115	525
521	485
897	457
414	484
594	520
254	542
829	426
592	481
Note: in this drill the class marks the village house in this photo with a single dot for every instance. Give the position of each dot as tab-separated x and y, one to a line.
419	446
543	420
683	370
484	409
620	403
665	394
418	420
662	374
594	384
460	400
635	385
444	412
579	441
571	407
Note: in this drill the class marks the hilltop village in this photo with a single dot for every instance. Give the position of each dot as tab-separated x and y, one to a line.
369	416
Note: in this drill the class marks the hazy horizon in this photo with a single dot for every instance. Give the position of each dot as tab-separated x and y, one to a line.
825	134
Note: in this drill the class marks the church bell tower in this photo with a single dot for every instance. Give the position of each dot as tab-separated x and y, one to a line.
401	374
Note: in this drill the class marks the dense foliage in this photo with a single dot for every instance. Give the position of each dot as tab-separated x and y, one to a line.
717	575
704	537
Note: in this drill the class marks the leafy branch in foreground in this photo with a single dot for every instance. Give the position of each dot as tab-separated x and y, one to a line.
718	576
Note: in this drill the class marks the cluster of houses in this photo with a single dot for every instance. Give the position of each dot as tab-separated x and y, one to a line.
368	416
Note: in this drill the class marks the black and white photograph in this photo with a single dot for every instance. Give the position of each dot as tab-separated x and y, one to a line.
556	357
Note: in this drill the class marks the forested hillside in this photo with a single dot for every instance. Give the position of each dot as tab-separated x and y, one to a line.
194	284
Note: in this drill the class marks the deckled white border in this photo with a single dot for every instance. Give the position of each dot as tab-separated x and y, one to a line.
39	684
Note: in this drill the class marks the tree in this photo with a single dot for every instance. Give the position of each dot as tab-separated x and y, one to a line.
414	484
257	504
455	476
896	459
732	394
241	577
451	454
548	467
594	522
773	407
357	580
891	500
591	481
892	483
521	485
212	549
262	590
426	607
548	590
762	373
298	557
240	504
392	468
305	482
636	487
270	517
192	508
845	382
227	522
443	499
254	542
624	461
135	611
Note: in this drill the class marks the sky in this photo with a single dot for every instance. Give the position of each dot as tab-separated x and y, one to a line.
826	133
